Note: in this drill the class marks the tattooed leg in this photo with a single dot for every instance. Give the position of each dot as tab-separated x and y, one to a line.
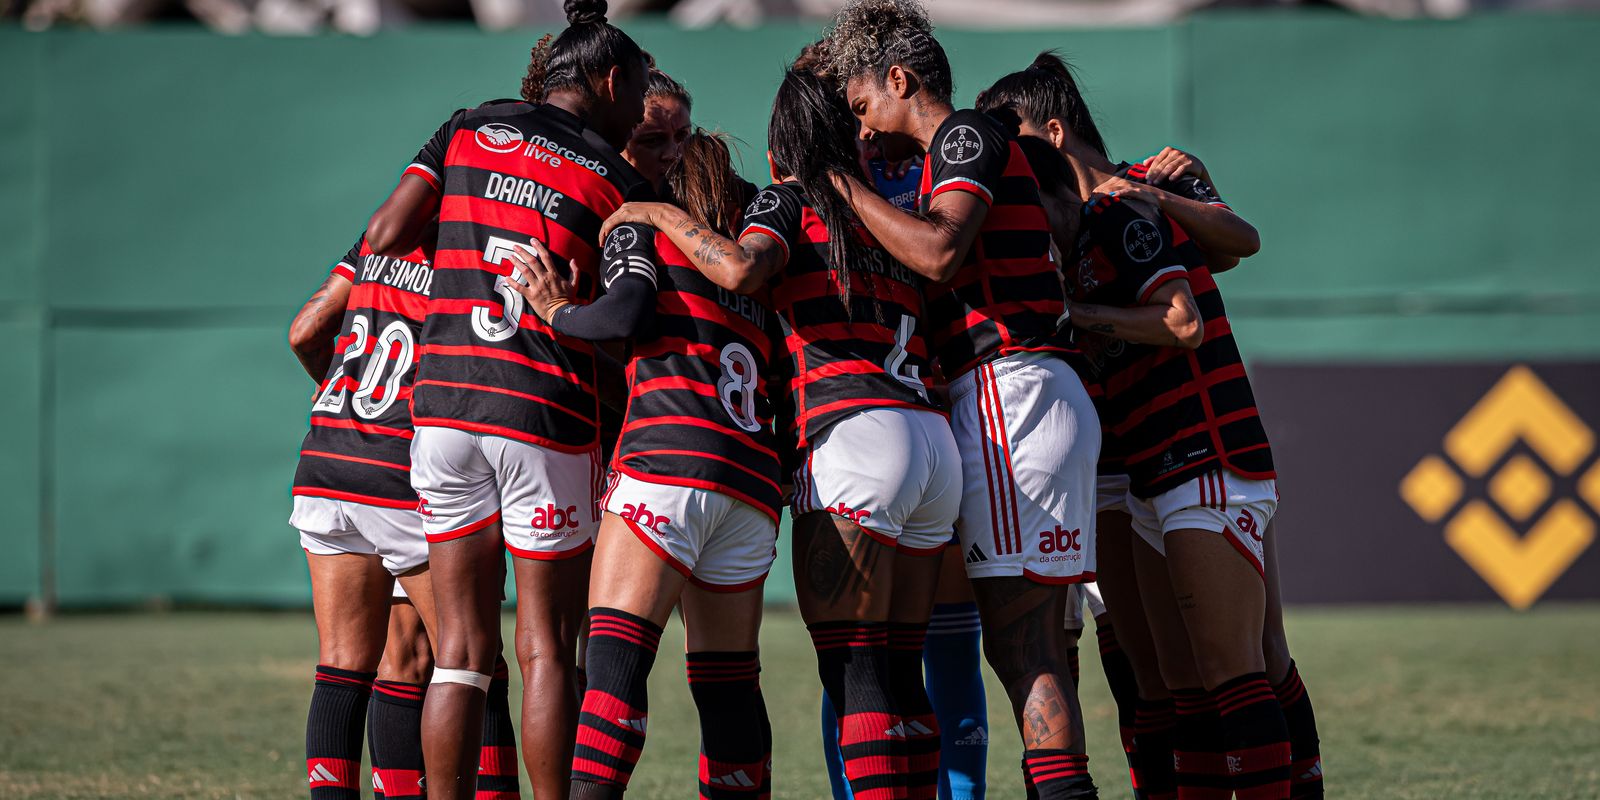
1024	642
840	573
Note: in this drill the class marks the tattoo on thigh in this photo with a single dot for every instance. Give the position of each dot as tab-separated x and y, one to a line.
1187	601
838	562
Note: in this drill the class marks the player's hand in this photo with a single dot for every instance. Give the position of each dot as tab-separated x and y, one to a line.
537	280
1170	163
634	213
1144	198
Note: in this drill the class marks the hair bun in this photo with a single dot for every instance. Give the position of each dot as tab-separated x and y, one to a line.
1051	62
585	12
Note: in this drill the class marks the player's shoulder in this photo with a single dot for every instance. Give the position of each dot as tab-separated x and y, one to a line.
773	198
1123	231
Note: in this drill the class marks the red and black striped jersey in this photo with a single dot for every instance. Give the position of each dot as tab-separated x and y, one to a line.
699	413
359	447
1007	296
508	172
842	357
1169	413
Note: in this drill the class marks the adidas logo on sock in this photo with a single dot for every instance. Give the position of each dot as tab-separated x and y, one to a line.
320	774
909	727
377	782
1312	774
635	725
979	736
738	778
975	555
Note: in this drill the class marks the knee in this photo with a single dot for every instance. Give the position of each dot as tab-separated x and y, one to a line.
347	657
409	663
1221	658
1275	654
473	650
537	652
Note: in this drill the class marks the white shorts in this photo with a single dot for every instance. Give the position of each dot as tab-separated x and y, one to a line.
1111	492
717	542
894	471
1029	440
1081	596
331	527
546	500
1218	501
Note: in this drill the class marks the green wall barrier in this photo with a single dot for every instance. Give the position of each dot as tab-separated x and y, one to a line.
171	197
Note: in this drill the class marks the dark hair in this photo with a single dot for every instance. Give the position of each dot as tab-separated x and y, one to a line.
813	58
703	182
812	137
584	53
1046	90
870	36
662	85
1049	167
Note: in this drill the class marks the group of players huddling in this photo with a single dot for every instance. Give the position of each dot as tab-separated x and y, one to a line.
982	363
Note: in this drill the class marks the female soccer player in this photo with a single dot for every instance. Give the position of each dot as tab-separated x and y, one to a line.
657	143
1027	427
877	488
356	512
692	511
506	451
1202	491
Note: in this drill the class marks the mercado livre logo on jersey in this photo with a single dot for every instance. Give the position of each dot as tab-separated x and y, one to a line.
1520	565
498	137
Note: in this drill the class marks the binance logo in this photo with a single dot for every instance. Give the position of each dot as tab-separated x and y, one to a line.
1519	567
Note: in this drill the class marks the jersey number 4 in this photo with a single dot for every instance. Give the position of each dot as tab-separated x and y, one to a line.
393	348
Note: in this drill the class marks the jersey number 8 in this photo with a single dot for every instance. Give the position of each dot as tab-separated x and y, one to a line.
737	386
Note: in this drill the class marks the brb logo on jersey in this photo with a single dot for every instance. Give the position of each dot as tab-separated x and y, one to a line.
499	138
641	515
961	145
1142	240
554	519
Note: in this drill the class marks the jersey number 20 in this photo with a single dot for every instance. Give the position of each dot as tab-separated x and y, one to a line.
393	347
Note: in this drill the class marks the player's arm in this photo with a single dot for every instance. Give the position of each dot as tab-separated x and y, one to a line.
741	266
623	312
1224	236
1170	318
316	327
399	224
933	245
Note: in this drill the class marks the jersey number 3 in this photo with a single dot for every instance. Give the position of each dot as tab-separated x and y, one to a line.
498	251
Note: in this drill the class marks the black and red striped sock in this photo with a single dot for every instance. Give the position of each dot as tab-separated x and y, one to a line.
853	662
766	738
611	726
1256	737
394	735
1199	765
1031	791
918	722
333	732
1305	773
497	760
1154	725
1059	775
734	749
1125	692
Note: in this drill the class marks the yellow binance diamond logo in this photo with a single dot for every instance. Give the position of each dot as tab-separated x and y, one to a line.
1519	407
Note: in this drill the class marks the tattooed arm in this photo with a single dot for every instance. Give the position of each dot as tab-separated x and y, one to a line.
312	333
743	266
1169	319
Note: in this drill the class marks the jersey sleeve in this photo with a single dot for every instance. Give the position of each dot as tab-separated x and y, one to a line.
429	163
775	212
628	269
346	266
968	155
1195	189
1140	248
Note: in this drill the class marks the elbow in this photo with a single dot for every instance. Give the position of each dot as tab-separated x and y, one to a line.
386	236
1189	332
302	338
942	268
1220	264
1250	242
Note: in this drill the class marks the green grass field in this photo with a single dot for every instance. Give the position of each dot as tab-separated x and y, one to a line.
1414	703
